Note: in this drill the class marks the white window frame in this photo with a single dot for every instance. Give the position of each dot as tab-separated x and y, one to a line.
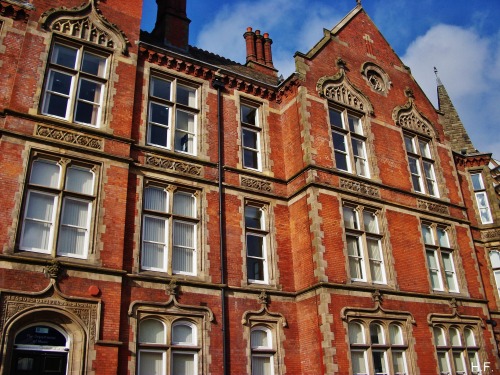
253	127
261	232
263	351
357	231
483	204
170	219
423	180
494	256
77	74
367	348
349	127
60	193
173	104
433	246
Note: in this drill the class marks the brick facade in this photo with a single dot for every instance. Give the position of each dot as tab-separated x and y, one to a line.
314	228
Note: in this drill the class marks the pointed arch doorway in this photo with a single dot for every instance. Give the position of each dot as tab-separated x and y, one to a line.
40	349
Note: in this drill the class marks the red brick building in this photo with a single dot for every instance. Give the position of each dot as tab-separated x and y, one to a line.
169	211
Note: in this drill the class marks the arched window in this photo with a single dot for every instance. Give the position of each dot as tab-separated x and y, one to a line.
263	351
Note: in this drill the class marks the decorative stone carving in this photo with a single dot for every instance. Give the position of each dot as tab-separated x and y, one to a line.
68	136
359	187
173	165
53	270
87	311
15	9
376	78
339	89
85	22
408	116
432	207
256	184
490	234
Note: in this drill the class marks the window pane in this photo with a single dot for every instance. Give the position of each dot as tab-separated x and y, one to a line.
88	104
255	269
495	259
339	142
455	337
158	135
57	96
261	365
38	221
159	114
250	159
80	180
477	181
439	338
449	271
370	221
424	149
186	95
183	363
376	263
184	204
160	88
182	334
250	139
152	332
255	245
259	339
350	218
74	227
356	333
358	363
396	334
248	115
355	258
458	361
253	217
151	363
379	362
65	56
443	237
155	199
153	256
184	131
434	272
355	124
335	118
154	229
427	233
469	337
376	334
409	144
398	362
444	366
45	172
94	64
183	247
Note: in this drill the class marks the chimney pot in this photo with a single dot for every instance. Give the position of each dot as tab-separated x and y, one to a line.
172	25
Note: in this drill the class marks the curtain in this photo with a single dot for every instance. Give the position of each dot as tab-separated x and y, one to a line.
375	256
183	247
184	204
350	218
80	180
356	333
449	270
358	362
443	238
38	221
182	334
74	227
183	363
427	233
152	331
398	362
46	173
151	363
154	242
261	364
259	339
155	199
396	334
370	220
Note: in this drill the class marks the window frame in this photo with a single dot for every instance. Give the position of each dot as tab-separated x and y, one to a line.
495	267
255	128
349	136
175	107
61	194
481	191
421	160
170	218
438	249
362	239
168	348
368	348
262	232
77	74
269	351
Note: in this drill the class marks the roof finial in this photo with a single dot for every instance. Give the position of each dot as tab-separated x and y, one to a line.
438	80
358	2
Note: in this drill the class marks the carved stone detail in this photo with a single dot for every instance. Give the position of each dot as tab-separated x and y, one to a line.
490	234
408	116
84	29
70	137
256	184
432	207
173	165
359	187
339	89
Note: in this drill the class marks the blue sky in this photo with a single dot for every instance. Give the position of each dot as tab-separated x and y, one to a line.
460	37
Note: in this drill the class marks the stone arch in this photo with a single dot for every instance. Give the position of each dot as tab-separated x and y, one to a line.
409	117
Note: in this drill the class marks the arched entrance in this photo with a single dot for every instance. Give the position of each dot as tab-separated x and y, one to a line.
40	349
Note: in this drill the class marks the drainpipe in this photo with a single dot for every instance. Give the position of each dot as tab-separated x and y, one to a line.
219	84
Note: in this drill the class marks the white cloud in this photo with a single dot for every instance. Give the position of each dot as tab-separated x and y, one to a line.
463	59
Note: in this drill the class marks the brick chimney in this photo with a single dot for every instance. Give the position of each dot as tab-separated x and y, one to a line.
172	24
259	55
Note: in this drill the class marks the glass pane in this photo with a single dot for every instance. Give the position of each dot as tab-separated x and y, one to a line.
341	161
376	334
255	246
254	217
184	142
94	64
458	361
158	135
184	247
65	56
182	334
40	206
261	364
424	149
255	269
80	180
335	118
444	367
455	337
160	88
46	173
469	337
55	105
259	339
250	159
151	363
443	237
495	259
248	115
356	333
89	91
414	168
355	124
87	113
398	362
153	256
185	121
154	229
59	82
358	362
184	204
339	142
152	332
186	95
379	362
159	114
427	233
370	221
250	139
183	363
439	338
350	218
396	334
477	181
409	144
449	271
74	227
38	221
155	199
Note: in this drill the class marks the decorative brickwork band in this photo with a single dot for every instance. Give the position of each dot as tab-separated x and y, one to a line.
359	187
492	234
432	207
70	137
173	165
256	184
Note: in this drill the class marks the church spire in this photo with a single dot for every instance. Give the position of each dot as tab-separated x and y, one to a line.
453	126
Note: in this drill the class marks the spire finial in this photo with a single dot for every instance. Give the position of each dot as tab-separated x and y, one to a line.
358	2
438	80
